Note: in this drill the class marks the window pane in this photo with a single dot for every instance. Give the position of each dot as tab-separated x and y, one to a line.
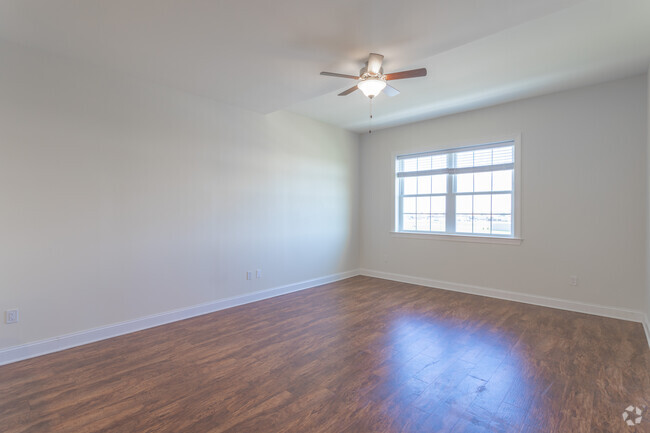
463	223
424	205
465	159
410	185
502	180
482	157
438	204
481	224
424	184
465	182
501	203
438	223
482	204
439	184
408	222
464	204
438	161
410	164
483	182
501	224
424	163
503	155
423	222
408	205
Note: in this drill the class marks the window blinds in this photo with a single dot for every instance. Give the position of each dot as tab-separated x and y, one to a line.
488	157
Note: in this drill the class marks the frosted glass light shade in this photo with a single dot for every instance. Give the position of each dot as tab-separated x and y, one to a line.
371	86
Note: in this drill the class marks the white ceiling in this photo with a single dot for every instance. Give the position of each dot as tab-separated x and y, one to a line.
266	55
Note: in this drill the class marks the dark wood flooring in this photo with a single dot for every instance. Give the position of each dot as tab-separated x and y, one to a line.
359	355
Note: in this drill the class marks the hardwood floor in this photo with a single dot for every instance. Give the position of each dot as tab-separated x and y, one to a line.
360	355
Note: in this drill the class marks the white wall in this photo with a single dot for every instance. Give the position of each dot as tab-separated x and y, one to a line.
122	199
584	198
648	212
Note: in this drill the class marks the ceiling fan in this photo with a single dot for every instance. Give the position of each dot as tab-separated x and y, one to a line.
372	79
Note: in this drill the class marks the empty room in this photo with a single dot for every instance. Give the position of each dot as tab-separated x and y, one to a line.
325	216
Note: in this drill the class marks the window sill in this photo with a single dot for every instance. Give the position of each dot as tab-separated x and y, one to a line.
458	238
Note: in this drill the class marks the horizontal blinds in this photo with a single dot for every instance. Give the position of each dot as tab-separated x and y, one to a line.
506	143
457	170
474	159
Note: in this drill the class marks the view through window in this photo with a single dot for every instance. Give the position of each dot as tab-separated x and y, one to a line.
468	190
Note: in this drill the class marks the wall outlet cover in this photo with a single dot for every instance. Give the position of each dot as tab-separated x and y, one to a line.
11	316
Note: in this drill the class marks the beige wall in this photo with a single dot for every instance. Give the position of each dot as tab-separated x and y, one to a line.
584	198
122	199
648	211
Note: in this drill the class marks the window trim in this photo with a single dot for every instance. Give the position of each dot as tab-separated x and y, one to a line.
516	237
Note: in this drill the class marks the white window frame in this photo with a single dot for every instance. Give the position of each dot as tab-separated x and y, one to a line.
514	239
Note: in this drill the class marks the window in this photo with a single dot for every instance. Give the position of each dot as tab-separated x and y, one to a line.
467	191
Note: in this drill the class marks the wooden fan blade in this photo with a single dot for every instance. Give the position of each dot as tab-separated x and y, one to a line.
390	91
334	74
347	92
422	72
374	63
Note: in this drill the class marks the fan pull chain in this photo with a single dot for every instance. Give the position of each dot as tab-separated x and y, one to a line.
370	121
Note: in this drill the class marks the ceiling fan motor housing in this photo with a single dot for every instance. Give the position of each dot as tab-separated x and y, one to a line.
363	72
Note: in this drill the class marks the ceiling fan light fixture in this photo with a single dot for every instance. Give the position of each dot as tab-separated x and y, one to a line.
371	79
371	86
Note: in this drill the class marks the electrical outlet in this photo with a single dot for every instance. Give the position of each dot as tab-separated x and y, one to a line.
11	316
573	280
258	274
249	275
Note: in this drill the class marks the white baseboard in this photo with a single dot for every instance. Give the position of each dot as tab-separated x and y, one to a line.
43	347
562	304
38	348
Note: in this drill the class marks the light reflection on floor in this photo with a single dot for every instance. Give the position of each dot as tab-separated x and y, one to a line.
451	369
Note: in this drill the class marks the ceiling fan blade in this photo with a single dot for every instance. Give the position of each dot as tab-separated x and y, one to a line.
374	63
334	74
422	72
347	92
390	91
